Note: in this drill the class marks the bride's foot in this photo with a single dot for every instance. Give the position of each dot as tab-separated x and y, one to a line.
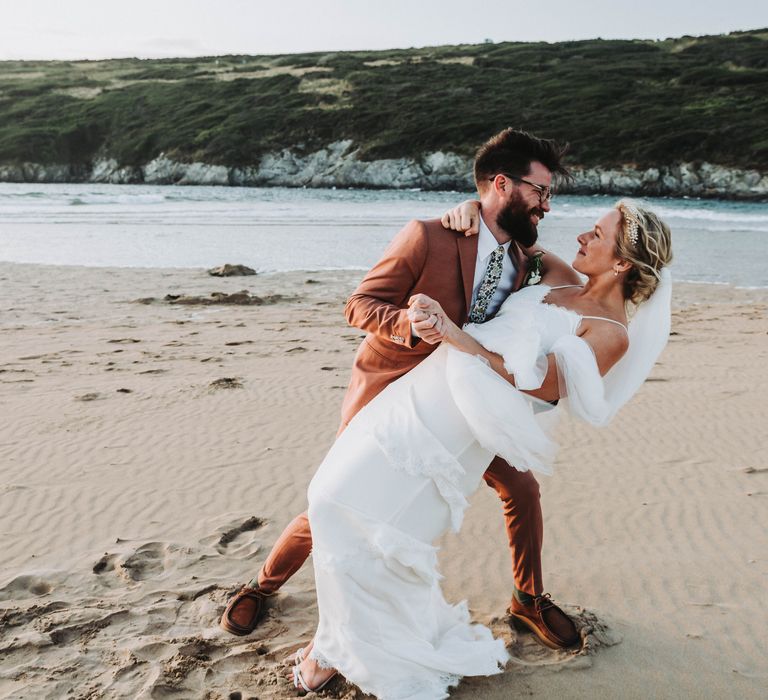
308	676
300	654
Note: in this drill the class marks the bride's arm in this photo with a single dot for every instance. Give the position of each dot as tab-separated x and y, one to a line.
461	340
608	344
465	217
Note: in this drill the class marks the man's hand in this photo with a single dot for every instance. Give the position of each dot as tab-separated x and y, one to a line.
425	325
427	318
465	217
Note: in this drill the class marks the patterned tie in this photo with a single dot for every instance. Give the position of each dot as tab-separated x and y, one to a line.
488	286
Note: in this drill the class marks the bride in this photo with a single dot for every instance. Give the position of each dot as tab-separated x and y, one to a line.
399	476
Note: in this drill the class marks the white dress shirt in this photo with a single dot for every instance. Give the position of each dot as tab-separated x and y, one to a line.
486	244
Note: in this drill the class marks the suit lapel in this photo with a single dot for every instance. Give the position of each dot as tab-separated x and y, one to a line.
521	264
467	257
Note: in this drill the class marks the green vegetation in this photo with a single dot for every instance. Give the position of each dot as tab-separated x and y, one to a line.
617	102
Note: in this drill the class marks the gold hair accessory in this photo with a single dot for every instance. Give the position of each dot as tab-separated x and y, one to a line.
631	222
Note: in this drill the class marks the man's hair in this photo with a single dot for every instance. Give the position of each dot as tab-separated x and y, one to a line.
512	151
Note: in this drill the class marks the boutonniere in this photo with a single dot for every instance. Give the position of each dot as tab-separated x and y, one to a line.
534	271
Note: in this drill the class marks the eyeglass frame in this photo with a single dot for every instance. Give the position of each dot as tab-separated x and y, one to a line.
541	190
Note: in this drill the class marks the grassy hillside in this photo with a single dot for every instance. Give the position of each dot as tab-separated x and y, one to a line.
617	102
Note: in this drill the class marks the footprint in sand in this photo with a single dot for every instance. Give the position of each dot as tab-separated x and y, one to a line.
92	396
226	383
232	541
754	470
106	562
150	560
17	617
84	631
595	634
25	586
183	674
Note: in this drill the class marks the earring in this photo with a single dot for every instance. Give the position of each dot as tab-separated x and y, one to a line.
615	273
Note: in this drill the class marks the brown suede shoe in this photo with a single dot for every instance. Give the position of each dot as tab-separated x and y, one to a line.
244	611
548	622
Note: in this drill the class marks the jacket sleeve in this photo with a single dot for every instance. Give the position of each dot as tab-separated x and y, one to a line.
376	306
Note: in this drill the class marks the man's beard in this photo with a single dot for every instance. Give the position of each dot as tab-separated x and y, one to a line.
515	220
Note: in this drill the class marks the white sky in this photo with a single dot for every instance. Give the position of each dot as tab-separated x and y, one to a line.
70	29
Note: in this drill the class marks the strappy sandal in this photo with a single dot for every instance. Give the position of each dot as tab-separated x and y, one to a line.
298	656
300	684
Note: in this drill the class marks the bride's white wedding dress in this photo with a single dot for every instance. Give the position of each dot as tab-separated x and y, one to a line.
398	477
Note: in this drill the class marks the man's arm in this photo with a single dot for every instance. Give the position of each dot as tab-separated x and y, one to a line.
375	306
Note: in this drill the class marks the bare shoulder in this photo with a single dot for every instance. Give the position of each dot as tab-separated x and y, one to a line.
609	342
555	270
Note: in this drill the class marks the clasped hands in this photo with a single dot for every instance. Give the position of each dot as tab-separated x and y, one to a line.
429	320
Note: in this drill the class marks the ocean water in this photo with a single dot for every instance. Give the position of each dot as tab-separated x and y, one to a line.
278	229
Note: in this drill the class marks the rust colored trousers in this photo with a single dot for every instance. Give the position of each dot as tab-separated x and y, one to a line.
521	502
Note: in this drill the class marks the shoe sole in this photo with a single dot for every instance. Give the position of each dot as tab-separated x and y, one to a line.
238	632
523	624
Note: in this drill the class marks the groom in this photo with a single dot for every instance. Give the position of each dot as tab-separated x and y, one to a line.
470	277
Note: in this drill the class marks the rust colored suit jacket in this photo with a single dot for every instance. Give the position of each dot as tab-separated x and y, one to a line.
423	258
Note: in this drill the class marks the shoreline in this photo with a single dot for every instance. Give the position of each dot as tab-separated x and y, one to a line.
352	275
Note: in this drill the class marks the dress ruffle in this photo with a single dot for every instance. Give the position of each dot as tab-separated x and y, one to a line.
360	537
580	380
501	418
397	430
414	646
516	334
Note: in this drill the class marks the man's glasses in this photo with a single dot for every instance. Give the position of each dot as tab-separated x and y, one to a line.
544	192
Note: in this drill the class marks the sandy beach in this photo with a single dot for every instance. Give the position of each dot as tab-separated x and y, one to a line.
151	452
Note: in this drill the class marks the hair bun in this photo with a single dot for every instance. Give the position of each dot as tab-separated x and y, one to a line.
645	241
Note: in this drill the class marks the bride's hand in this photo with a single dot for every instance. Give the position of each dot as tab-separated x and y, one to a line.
465	217
421	303
424	314
433	323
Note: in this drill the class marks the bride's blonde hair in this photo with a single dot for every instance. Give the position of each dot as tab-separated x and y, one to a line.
645	241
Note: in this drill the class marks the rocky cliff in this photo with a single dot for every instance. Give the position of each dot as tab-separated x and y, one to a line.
339	165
